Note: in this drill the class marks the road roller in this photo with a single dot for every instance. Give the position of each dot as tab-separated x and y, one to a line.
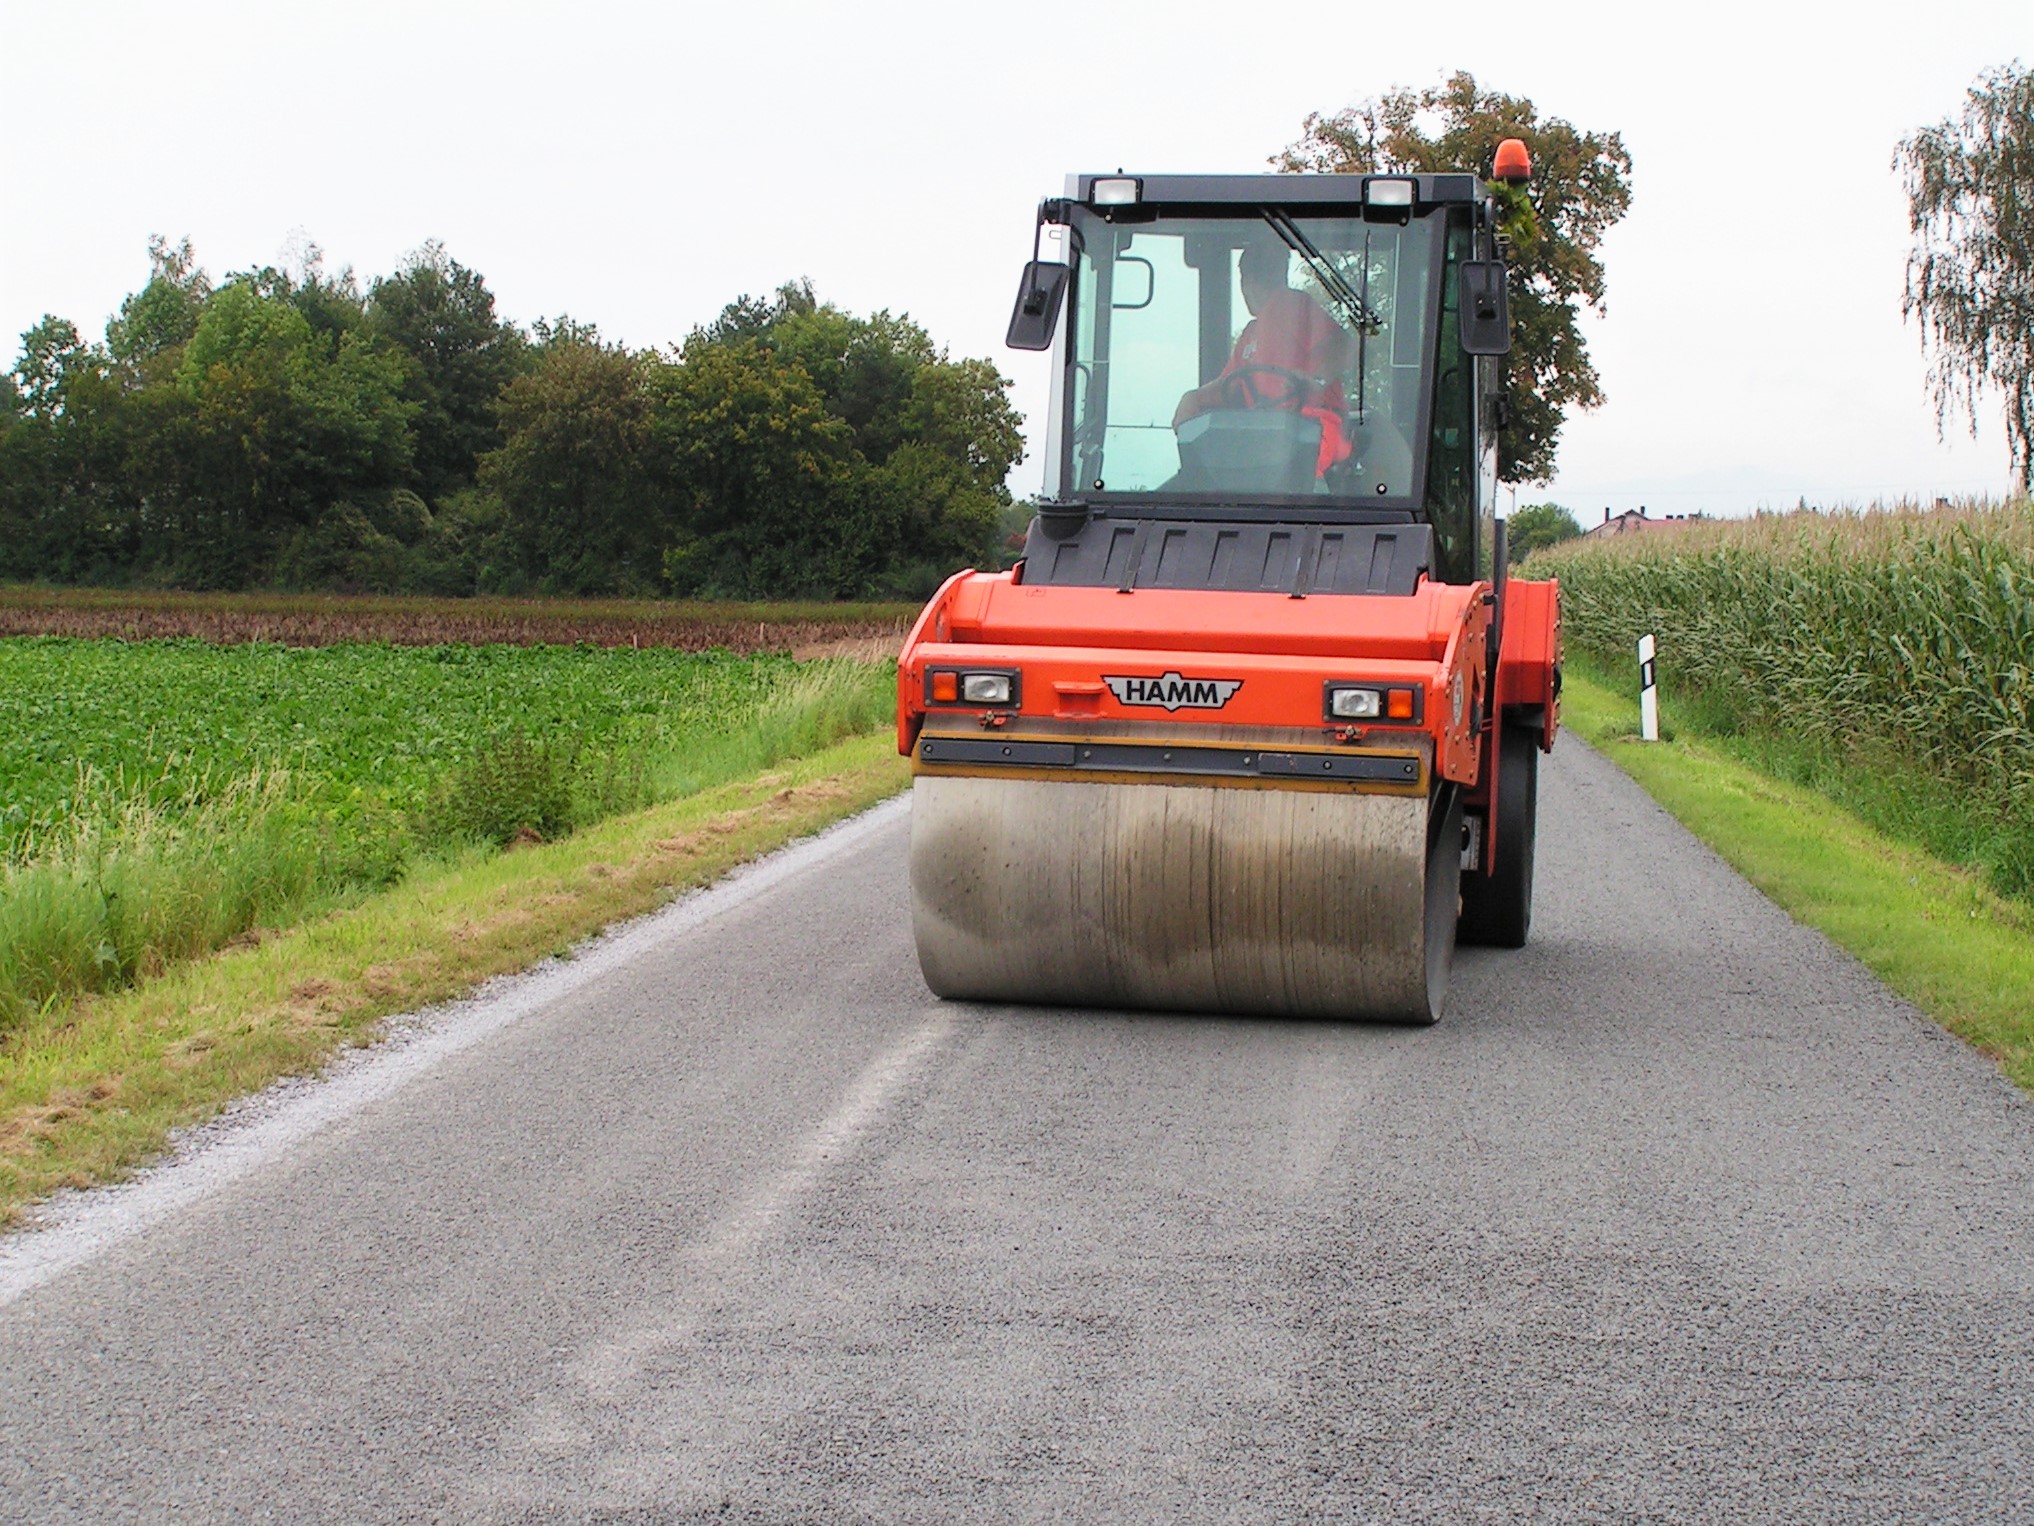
1253	725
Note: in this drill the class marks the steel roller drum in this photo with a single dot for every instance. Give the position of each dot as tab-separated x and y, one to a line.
1182	897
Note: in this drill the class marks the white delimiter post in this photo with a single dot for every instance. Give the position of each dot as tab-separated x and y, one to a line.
1649	693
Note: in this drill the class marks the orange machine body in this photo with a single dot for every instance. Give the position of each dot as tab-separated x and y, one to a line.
1243	662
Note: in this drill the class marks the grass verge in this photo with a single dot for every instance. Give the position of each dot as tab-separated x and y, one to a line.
163	852
1936	934
94	1087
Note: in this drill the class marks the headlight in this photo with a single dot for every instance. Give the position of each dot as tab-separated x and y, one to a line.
1371	702
1355	704
997	687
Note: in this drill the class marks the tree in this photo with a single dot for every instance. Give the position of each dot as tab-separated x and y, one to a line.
164	314
766	480
573	470
28	471
1580	188
863	367
275	429
930	438
549	333
52	355
750	317
64	468
1970	279
959	426
1536	527
331	304
286	421
441	316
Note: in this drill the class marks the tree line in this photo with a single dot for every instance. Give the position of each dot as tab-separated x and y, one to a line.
292	429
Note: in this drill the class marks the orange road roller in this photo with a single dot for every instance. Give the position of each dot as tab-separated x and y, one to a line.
1254	724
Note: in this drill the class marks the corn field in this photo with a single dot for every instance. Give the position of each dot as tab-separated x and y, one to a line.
1900	633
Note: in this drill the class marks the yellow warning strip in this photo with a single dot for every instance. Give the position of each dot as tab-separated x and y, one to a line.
1416	787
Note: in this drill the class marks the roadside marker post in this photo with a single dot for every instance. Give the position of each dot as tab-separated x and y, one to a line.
1649	692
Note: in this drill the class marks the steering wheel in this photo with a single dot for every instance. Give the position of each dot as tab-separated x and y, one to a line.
1240	388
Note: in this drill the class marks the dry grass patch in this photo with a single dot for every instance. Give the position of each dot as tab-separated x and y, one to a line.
298	619
875	648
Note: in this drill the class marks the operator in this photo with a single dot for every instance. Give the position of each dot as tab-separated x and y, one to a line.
1291	354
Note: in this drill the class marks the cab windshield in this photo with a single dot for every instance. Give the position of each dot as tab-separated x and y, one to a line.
1251	357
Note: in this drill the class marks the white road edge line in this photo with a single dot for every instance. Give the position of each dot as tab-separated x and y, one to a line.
755	1221
834	1137
76	1227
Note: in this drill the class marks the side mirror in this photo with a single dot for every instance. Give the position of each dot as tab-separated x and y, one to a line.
1486	314
1038	302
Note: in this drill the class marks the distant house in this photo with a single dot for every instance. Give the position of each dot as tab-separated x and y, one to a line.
1635	522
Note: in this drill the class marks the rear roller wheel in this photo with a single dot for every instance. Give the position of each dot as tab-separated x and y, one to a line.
1497	908
1443	899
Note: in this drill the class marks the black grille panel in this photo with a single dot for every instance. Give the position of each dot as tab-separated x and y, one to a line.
1235	558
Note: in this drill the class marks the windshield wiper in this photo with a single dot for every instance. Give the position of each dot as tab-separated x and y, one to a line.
1355	306
1359	312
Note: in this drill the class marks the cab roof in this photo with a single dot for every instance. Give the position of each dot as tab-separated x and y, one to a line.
1275	190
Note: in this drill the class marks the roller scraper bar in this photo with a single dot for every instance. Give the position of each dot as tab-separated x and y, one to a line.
1232	764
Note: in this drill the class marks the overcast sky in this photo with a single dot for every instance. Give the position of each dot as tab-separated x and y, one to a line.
640	166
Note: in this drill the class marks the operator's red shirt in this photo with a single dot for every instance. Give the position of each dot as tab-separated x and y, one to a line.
1293	332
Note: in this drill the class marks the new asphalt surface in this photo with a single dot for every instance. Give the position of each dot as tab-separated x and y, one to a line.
1676	1216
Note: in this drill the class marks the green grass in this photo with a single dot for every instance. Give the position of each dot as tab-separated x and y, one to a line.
94	1085
162	799
362	728
1937	934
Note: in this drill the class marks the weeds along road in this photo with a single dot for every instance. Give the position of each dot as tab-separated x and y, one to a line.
1677	1215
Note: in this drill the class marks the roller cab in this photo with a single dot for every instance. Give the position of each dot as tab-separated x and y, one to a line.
1253	726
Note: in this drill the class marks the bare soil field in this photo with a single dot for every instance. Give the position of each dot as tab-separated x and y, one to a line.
329	619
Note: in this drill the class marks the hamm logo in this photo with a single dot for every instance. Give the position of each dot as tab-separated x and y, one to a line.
1171	691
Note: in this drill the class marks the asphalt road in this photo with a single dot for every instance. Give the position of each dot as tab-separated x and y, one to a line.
1676	1216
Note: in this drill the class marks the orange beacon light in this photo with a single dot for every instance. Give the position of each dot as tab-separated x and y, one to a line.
1513	165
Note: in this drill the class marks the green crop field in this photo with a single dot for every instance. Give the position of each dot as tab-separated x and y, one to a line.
361	728
1885	658
160	798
